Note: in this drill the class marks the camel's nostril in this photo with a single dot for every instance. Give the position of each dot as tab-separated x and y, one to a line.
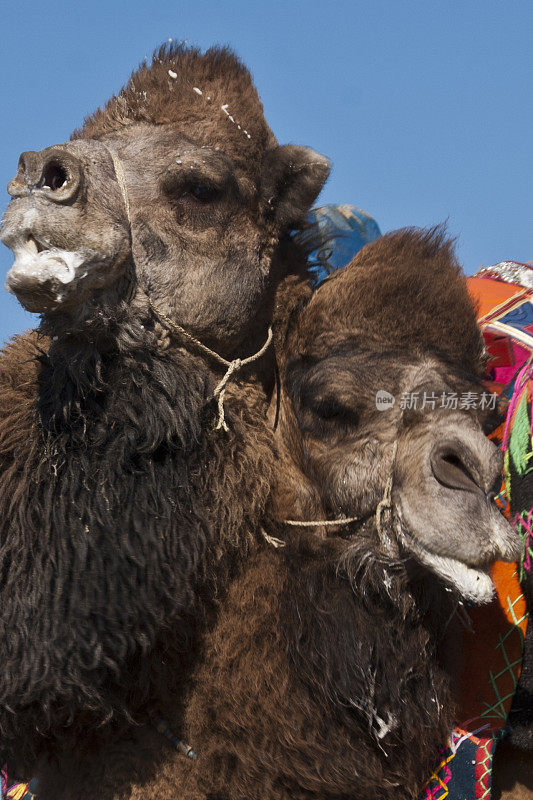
453	467
54	176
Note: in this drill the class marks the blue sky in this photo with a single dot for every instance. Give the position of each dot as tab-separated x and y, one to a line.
424	107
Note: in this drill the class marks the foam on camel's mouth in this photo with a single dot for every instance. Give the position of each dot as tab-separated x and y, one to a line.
43	276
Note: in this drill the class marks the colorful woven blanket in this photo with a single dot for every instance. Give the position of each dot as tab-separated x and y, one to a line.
490	685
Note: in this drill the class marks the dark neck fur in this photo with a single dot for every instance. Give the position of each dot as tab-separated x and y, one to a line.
126	521
367	641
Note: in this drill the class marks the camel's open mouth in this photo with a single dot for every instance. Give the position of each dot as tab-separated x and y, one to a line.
43	276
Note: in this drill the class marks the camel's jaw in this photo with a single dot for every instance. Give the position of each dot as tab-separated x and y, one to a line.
65	248
447	476
59	270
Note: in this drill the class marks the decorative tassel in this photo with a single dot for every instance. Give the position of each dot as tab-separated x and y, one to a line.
525	375
520	438
507	476
523	524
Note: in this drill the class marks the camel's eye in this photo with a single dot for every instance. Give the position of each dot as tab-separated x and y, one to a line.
329	409
192	189
323	399
203	192
332	412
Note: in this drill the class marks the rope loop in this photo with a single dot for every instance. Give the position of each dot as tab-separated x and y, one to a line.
231	366
300	523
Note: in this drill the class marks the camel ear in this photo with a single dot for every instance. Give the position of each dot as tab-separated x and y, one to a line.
292	178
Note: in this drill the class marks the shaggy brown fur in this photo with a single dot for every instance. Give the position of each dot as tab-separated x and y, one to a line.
112	544
123	511
154	96
387	296
319	643
329	671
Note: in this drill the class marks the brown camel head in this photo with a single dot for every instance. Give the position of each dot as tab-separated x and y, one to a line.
177	184
381	387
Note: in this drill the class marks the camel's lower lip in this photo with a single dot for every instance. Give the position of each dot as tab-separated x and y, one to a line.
470	582
40	281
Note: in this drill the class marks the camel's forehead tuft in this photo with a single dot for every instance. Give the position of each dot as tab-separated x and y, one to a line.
408	290
209	95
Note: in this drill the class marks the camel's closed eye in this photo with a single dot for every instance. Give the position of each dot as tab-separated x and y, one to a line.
202	192
194	187
326	409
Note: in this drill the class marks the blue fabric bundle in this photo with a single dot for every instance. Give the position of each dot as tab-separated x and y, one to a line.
337	233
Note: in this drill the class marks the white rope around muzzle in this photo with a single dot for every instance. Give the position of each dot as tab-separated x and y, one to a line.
383	507
231	366
300	523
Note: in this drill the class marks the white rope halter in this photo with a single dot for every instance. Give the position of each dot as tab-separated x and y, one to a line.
383	507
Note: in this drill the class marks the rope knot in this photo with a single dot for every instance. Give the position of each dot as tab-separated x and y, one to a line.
231	366
384	506
220	391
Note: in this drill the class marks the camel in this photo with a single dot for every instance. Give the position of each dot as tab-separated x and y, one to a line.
330	671
135	459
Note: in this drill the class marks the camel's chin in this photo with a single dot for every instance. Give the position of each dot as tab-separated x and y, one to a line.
46	280
471	583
